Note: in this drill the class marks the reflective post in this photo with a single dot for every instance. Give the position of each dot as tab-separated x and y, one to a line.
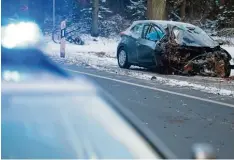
63	39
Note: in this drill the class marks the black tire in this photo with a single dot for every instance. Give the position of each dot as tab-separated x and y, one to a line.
159	68
121	62
224	72
227	70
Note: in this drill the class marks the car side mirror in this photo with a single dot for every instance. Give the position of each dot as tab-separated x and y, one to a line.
203	151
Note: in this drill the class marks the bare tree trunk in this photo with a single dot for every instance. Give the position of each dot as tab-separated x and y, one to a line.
95	11
156	9
166	12
149	9
119	5
182	10
191	14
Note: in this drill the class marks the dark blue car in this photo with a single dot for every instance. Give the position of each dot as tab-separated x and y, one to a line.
172	47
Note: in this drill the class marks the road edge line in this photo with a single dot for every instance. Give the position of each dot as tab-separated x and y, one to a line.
153	88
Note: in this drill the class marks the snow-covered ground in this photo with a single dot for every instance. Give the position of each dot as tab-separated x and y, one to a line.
229	40
230	49
92	45
100	53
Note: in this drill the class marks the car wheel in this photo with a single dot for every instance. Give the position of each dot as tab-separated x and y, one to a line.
159	68
123	59
227	70
222	69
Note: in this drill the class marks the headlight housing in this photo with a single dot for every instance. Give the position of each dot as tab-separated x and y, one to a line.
22	34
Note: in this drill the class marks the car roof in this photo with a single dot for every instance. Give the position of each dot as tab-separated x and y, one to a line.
163	23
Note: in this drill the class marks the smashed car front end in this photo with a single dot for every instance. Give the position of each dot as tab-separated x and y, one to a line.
189	50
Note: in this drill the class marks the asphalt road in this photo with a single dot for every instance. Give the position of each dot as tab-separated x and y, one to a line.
180	117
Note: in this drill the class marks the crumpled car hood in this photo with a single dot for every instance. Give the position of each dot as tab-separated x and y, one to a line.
187	38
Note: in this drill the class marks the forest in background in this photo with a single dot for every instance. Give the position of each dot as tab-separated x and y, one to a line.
116	15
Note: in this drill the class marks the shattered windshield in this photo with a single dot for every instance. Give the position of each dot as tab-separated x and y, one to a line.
193	36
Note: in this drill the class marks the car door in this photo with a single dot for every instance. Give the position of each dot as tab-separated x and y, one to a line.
146	45
134	34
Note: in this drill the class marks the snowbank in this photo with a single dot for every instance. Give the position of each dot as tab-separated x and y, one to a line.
92	45
227	40
209	88
100	53
230	49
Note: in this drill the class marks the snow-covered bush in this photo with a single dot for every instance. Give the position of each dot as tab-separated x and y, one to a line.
225	17
113	25
137	9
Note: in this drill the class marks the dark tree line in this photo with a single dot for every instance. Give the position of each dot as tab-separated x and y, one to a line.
220	12
114	15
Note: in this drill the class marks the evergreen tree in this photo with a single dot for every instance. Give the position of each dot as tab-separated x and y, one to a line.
137	9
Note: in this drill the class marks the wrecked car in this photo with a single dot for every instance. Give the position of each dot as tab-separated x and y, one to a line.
172	48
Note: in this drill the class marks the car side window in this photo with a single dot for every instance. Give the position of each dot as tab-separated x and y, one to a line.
137	30
154	34
145	31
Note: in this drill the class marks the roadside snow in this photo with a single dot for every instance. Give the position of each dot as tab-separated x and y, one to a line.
229	40
96	51
230	49
179	83
92	45
100	53
204	87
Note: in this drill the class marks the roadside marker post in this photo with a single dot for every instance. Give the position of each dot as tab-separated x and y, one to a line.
63	39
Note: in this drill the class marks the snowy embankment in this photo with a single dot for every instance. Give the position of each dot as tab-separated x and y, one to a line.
100	53
230	49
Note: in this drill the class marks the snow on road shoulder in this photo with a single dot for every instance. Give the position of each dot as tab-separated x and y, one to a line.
95	52
214	88
92	45
230	49
100	53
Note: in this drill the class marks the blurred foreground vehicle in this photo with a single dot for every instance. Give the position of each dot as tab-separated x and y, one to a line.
173	47
49	114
